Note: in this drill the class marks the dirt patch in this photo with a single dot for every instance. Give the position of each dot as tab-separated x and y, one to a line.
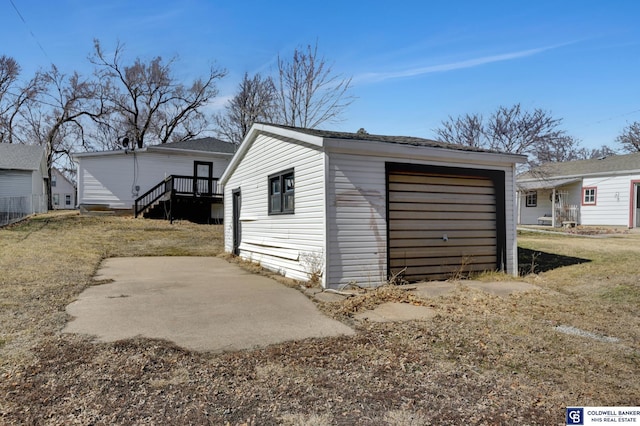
394	312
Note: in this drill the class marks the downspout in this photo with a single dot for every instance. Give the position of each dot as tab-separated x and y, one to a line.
553	208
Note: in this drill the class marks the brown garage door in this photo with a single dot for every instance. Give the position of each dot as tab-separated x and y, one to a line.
441	224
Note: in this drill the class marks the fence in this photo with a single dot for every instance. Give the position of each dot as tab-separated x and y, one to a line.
12	209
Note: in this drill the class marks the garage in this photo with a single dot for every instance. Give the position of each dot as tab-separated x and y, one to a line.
444	221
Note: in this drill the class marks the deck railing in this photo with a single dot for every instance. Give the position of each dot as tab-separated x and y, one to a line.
178	185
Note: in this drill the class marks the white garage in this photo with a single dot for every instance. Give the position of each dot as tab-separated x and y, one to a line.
355	208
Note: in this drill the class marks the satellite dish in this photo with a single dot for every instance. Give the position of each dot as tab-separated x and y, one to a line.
125	142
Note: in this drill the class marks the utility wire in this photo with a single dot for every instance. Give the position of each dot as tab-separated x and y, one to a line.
30	32
617	116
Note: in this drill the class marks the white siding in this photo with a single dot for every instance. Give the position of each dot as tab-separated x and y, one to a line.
613	201
63	188
278	241
510	218
24	183
112	179
530	215
356	215
356	220
15	183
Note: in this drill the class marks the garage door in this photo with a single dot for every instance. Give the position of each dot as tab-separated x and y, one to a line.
442	223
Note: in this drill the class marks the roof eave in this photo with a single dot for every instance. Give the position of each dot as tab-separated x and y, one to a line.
417	151
583	175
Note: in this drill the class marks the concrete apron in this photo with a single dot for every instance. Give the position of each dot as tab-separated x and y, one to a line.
199	303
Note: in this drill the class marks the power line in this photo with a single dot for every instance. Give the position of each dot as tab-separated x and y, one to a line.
24	21
612	118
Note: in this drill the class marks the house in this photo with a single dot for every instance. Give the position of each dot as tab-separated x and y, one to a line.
360	208
139	179
63	191
23	174
601	191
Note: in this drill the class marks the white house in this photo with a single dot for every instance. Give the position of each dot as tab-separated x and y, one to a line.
601	191
113	180
361	208
23	170
63	191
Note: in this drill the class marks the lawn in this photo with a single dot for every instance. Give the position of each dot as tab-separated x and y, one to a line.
482	360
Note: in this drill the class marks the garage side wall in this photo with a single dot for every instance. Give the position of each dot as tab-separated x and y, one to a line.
285	243
357	217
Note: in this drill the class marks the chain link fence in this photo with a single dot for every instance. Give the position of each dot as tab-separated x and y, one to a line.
12	209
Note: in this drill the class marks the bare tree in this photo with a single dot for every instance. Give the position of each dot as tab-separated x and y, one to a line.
556	150
69	100
517	131
513	130
602	152
147	100
465	130
308	93
629	138
255	101
14	98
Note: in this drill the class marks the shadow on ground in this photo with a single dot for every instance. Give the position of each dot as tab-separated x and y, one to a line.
536	261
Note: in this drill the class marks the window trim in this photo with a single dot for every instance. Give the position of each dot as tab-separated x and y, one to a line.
281	176
67	199
595	196
528	201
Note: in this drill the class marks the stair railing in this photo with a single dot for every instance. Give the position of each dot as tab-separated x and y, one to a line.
145	201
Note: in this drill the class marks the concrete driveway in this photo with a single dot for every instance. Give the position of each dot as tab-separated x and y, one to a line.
199	303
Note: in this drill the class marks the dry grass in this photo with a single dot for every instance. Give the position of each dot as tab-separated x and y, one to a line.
48	260
482	360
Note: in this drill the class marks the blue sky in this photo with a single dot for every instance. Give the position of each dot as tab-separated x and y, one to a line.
413	63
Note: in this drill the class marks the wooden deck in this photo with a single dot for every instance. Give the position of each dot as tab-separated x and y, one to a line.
181	197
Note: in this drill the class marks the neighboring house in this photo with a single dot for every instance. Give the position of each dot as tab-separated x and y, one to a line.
63	191
602	192
360	208
113	180
23	174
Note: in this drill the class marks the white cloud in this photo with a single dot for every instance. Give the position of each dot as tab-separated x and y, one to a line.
218	103
374	77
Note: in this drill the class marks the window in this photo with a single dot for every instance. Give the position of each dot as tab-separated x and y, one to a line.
67	199
532	199
589	196
281	193
53	181
56	199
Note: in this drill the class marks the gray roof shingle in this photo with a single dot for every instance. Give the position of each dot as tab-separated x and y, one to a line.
366	137
203	144
20	157
614	163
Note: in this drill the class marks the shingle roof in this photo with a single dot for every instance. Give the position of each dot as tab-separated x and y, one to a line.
203	144
366	137
20	157
614	163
